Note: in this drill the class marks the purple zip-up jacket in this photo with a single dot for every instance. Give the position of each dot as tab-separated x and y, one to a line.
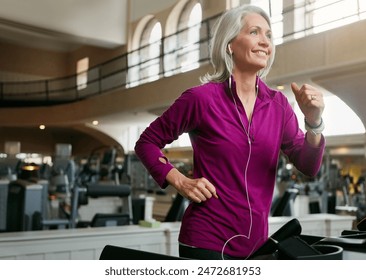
242	171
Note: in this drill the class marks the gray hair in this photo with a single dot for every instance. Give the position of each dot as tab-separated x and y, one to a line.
226	28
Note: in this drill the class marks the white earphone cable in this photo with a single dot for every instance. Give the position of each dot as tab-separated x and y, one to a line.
245	170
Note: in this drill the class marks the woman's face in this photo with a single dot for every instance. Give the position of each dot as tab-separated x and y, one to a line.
252	47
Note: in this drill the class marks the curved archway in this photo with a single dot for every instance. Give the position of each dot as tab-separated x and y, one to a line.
135	42
34	140
339	118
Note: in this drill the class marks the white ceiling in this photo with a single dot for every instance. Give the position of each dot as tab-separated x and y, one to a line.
64	25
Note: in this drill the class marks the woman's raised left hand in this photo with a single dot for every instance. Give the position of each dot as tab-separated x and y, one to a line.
310	101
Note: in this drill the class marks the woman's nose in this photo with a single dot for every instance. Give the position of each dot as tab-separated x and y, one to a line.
264	40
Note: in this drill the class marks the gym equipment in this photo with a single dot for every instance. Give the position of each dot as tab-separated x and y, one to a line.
26	209
111	252
100	219
24	199
3	203
285	205
284	244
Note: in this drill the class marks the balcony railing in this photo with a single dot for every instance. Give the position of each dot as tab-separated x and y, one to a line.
116	73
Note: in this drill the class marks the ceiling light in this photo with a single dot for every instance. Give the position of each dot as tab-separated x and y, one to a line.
42	126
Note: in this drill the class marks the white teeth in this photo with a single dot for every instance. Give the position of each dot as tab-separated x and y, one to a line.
262	53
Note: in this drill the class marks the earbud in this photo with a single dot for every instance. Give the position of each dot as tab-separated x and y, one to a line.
229	48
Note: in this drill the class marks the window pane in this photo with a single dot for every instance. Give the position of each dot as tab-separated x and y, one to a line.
82	67
148	68
188	39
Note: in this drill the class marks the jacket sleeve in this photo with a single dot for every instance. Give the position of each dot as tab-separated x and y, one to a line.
305	157
182	116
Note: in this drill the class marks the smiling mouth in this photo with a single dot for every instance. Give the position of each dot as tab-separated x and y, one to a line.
261	53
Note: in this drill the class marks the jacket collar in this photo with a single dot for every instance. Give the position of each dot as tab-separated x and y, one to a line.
265	93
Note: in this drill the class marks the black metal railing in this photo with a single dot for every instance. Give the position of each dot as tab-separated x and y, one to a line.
116	73
123	72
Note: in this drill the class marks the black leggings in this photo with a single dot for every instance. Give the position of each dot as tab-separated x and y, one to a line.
201	254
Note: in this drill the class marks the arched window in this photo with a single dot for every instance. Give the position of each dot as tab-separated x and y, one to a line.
188	38
182	51
150	51
302	18
145	59
329	14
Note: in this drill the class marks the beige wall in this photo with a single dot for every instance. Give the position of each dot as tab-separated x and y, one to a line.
34	140
33	62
